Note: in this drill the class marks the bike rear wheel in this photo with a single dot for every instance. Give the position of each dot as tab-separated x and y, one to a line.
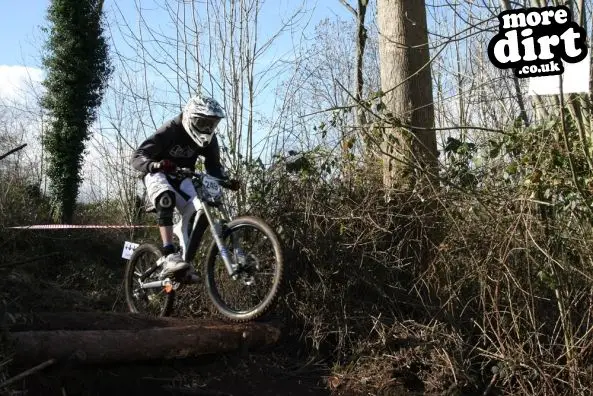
259	274
154	301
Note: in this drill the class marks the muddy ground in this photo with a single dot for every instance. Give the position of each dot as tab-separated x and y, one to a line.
230	374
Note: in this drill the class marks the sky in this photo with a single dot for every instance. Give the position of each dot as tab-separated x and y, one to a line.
20	23
22	39
19	29
19	47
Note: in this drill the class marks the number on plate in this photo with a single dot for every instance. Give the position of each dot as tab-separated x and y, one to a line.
129	248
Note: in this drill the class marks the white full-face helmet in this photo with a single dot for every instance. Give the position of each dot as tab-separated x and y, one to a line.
200	117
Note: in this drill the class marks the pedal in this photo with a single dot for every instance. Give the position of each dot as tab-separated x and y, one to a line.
168	286
192	278
187	276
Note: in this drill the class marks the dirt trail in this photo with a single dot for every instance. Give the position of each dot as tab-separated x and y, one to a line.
230	374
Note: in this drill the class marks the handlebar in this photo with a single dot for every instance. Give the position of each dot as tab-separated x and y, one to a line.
187	172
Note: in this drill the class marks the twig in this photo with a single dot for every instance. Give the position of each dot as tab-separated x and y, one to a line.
349	7
491	384
28	372
12	151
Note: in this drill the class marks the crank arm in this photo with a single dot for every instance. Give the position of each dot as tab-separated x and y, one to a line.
148	272
151	270
156	284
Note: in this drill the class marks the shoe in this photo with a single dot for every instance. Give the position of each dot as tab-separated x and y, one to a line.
173	263
191	276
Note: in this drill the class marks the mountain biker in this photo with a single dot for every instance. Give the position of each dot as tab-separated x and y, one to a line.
178	143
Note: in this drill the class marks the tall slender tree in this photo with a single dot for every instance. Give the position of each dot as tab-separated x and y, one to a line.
361	39
409	140
78	67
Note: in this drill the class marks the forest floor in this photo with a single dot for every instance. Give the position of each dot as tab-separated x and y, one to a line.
275	371
63	284
269	372
228	374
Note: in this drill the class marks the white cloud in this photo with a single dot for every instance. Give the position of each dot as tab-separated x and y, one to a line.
21	122
19	82
19	110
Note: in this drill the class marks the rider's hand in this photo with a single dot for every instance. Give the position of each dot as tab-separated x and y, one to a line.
234	184
165	165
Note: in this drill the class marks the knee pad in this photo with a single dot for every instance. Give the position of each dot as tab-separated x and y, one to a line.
165	205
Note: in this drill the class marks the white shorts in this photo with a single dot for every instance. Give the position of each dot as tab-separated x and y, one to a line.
157	183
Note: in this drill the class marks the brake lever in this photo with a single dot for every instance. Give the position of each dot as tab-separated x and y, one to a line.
186	172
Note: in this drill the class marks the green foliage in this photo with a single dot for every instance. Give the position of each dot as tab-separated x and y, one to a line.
546	166
460	156
78	68
539	163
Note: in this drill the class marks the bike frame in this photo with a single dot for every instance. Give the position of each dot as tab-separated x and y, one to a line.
190	241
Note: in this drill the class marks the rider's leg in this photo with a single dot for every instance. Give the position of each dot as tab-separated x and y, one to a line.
167	238
165	205
186	194
156	185
163	195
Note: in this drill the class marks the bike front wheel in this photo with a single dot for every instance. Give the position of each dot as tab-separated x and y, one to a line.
153	301
256	254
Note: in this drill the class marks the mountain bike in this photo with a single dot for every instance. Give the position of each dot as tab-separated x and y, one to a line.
243	268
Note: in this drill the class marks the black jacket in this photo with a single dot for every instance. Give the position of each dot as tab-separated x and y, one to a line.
171	142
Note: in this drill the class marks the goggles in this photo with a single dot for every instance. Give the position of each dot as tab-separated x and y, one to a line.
204	124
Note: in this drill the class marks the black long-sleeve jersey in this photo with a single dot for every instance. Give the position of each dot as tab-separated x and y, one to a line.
171	142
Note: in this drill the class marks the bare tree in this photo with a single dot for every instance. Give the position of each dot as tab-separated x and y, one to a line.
361	38
406	82
216	48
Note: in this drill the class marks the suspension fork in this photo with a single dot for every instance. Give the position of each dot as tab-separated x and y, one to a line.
234	240
217	234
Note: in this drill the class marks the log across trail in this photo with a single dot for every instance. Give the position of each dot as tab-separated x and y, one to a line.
98	338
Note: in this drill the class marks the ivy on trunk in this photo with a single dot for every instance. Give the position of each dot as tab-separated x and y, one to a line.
78	67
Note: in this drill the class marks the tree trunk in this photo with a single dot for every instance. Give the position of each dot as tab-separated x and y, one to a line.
506	5
359	115
108	338
361	35
409	141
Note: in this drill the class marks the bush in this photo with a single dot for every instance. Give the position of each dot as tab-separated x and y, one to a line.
498	261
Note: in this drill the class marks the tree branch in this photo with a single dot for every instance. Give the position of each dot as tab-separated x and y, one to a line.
12	151
28	372
349	7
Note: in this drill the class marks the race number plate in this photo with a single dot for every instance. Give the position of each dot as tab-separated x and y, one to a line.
212	189
129	248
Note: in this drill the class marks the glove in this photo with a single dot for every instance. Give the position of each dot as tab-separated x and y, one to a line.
234	184
165	165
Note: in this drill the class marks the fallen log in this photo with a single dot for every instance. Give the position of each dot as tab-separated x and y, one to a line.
49	321
154	343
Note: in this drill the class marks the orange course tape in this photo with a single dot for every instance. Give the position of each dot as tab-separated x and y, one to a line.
74	226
